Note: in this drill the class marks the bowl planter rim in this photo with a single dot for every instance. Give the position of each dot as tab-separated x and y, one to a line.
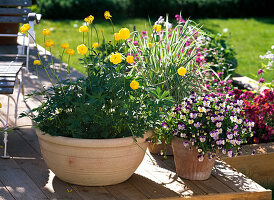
97	143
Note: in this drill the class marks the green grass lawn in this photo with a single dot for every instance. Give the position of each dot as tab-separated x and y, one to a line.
249	37
67	31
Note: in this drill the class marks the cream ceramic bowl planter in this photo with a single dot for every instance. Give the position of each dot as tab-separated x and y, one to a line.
92	162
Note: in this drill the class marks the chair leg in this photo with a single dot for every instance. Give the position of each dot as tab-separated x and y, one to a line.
6	132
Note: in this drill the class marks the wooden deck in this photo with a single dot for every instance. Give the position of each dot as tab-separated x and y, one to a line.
25	176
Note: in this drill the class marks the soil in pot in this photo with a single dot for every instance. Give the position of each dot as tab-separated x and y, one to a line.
187	164
92	162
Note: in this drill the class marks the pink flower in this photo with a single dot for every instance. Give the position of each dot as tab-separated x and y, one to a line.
261	80
260	71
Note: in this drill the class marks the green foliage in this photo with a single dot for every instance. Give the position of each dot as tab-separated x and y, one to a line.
134	8
168	53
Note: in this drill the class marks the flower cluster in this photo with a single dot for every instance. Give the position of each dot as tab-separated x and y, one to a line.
260	109
208	122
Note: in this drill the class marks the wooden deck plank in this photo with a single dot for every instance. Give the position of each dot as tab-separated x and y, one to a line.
125	191
151	189
17	182
4	193
93	193
162	175
234	179
29	160
263	195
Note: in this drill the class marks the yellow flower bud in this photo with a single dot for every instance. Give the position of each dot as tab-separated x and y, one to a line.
36	62
89	19
124	33
157	28
181	71
46	32
107	15
65	45
130	59
134	85
70	52
49	43
95	45
25	28
117	36
0	105
150	45
82	49
83	29
116	58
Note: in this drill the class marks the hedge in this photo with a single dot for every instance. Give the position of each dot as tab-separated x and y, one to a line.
76	9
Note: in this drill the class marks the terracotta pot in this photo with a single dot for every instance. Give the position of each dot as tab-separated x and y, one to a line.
157	148
92	162
187	164
8	28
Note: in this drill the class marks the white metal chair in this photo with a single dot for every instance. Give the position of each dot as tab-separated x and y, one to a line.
11	65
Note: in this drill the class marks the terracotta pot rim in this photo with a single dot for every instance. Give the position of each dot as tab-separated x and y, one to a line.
96	143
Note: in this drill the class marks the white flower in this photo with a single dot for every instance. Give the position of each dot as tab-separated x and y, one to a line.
233	118
206	103
168	25
239	121
219	124
161	20
240	102
225	30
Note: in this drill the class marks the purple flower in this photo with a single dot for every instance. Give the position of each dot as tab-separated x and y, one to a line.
181	126
200	158
202	138
164	125
260	71
261	80
197	124
223	151
230	153
135	43
186	144
219	124
228	82
229	135
144	32
174	132
220	74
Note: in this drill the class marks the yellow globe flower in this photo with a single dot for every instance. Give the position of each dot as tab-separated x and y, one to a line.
134	85
101	30
46	32
82	49
150	45
89	19
117	36
95	45
36	62
116	58
124	33
157	27
130	59
107	15
25	28
83	29
49	43
181	71
70	52
65	45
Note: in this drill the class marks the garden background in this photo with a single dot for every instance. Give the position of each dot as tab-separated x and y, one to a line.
246	25
243	28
